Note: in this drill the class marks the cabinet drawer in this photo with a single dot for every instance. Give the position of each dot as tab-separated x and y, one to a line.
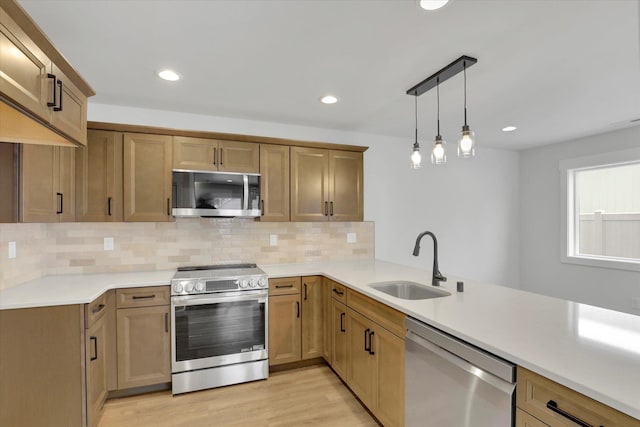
535	392
143	297
284	286
389	318
95	310
339	292
523	419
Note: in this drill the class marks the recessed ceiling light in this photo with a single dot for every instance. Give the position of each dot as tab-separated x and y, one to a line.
432	4
169	75
329	99
509	128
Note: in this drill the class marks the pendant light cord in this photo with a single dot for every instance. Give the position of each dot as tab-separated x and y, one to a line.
464	65
416	110
438	98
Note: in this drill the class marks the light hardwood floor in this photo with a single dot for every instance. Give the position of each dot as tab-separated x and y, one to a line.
311	396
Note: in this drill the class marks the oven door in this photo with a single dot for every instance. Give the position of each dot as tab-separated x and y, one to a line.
218	329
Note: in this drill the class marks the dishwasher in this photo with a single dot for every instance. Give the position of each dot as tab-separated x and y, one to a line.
450	383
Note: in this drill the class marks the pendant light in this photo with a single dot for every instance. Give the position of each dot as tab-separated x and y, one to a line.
467	142
438	156
416	158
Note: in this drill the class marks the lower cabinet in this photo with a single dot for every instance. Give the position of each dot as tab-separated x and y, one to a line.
339	337
96	358
295	319
143	336
523	419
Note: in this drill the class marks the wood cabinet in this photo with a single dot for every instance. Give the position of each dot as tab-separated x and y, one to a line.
99	177
274	182
96	358
312	312
143	336
9	158
326	185
147	177
535	394
327	325
35	77
339	338
47	183
295	319
201	154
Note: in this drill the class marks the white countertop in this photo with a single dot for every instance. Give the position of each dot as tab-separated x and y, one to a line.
591	350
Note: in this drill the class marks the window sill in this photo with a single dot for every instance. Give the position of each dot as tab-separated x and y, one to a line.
601	262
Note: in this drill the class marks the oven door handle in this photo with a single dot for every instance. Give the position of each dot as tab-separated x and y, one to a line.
261	296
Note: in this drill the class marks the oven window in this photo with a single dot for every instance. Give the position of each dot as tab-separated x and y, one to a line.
219	329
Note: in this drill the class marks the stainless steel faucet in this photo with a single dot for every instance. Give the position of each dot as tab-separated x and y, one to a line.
436	276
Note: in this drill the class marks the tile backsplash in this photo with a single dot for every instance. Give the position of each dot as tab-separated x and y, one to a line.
68	248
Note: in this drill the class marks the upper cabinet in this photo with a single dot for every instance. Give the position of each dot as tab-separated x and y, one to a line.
47	184
99	178
326	185
147	177
200	154
274	182
38	82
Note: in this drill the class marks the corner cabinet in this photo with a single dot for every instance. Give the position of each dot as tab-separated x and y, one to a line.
147	177
143	336
326	185
47	183
99	178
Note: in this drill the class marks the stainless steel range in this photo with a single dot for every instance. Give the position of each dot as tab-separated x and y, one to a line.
219	322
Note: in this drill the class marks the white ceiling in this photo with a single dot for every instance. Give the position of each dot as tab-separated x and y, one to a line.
556	69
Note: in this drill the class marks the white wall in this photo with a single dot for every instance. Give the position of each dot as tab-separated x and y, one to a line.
471	205
541	269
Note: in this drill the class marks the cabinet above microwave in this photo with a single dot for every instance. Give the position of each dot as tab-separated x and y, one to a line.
216	194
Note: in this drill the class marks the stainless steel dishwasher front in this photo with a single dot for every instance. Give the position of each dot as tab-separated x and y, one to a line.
450	383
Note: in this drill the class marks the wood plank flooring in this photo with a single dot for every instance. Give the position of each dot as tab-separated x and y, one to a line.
311	396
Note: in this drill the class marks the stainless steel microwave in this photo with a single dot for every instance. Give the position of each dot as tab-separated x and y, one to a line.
216	194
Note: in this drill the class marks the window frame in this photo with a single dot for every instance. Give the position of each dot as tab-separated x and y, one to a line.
568	167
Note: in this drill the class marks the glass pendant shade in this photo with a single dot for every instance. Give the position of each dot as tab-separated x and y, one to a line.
467	143
438	156
416	158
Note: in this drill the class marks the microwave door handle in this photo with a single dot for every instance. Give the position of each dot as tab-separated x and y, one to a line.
245	192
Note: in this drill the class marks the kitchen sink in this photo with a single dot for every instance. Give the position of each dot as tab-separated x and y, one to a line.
408	290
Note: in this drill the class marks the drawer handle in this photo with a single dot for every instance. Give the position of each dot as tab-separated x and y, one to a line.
283	286
59	107
338	292
342	329
298	304
371	352
60	202
98	309
55	84
366	332
135	297
552	405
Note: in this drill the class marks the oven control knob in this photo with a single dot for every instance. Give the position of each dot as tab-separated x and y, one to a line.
254	283
177	288
242	283
263	282
189	287
199	287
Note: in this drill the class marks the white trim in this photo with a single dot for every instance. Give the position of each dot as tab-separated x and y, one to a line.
568	242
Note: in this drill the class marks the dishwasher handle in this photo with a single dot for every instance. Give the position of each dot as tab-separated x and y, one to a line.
485	376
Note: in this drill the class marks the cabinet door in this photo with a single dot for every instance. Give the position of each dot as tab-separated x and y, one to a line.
345	186
70	114
236	156
339	345
198	154
361	365
309	184
525	420
23	69
96	370
147	177
284	329
389	351
67	168
99	178
274	182
8	182
311	317
40	183
327	330
144	352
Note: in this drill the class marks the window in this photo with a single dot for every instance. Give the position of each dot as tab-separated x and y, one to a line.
601	213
